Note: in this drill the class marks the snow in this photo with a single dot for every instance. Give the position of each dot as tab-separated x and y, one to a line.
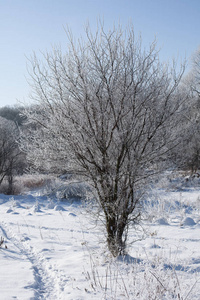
54	250
162	221
188	222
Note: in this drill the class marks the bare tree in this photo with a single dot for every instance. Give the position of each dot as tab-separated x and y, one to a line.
11	158
195	73
106	109
193	136
187	153
13	113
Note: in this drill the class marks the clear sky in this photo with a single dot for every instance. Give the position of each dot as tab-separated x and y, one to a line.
36	25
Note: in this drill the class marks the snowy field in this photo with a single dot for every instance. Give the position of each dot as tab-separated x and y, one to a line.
54	250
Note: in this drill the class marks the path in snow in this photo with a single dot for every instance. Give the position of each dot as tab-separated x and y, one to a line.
48	282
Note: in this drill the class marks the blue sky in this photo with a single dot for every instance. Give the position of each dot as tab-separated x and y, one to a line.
36	25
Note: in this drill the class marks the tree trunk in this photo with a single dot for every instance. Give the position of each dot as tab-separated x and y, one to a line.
115	242
10	183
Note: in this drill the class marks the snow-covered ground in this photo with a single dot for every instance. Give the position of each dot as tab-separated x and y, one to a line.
54	250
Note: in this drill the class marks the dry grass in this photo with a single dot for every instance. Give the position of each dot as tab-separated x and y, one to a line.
116	280
25	183
34	181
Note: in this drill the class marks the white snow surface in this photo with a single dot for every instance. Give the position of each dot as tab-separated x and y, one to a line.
54	250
